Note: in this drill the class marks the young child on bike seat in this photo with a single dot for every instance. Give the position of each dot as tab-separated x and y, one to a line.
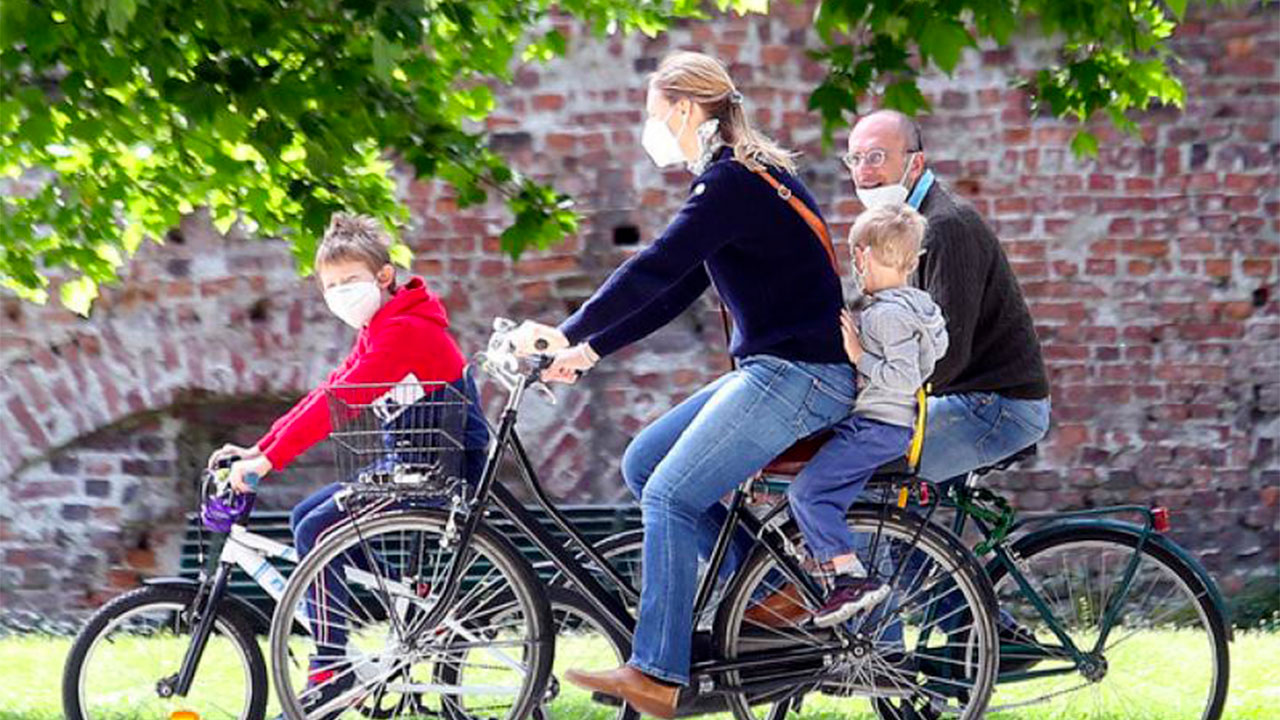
403	337
894	343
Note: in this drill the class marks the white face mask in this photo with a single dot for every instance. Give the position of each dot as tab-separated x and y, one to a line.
658	140
895	194
354	303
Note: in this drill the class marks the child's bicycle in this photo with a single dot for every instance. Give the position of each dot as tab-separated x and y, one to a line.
177	645
475	637
138	656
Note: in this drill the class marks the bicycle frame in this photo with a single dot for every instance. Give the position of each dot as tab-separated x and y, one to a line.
567	558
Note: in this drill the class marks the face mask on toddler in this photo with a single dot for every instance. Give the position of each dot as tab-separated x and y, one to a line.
354	303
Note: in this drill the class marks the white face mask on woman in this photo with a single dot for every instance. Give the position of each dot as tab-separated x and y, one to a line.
894	194
660	143
354	303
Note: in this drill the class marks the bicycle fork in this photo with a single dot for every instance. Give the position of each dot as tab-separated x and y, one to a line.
204	615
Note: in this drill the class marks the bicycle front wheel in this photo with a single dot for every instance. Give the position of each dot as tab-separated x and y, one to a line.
366	591
928	650
125	661
1165	654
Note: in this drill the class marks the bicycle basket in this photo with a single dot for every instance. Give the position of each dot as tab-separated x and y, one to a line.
406	438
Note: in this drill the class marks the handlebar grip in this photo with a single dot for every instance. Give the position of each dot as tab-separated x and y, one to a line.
226	462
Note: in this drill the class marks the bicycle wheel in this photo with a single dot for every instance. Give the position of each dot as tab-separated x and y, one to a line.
929	648
1165	655
369	586
121	660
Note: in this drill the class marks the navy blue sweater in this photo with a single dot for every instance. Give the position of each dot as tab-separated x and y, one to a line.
768	266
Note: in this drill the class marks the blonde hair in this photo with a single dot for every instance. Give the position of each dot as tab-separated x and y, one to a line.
355	237
893	232
704	80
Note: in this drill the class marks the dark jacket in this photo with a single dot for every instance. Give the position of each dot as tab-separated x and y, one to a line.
768	266
993	344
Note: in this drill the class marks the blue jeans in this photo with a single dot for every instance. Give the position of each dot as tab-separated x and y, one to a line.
965	432
833	479
686	461
972	430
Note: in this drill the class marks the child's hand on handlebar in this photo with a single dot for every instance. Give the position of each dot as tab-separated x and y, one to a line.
531	337
233	451
243	472
569	364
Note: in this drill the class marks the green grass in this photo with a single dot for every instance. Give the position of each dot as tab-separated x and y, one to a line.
31	672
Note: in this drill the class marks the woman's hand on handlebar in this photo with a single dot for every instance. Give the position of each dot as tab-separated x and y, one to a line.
569	364
250	470
233	451
531	338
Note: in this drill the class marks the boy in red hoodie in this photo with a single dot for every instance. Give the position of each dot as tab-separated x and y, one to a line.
403	337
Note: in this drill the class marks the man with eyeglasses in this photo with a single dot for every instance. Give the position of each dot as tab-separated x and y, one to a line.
990	390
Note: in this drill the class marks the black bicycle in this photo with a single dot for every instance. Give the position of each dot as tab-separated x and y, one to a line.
459	625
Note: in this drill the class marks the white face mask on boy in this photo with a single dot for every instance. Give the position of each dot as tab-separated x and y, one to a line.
354	303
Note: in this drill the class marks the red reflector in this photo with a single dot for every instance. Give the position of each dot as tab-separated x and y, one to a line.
924	494
1160	519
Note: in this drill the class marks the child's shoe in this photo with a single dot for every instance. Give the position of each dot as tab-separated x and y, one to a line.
848	599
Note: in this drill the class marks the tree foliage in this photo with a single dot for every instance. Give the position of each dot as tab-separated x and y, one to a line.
118	116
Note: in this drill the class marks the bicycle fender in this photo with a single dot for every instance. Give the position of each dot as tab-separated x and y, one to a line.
1071	526
261	623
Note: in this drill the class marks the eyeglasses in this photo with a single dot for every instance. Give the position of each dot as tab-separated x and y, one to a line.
872	158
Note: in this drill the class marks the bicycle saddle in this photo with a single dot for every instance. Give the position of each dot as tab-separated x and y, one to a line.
1025	453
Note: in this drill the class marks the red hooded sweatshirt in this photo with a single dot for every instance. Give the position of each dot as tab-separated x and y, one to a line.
408	334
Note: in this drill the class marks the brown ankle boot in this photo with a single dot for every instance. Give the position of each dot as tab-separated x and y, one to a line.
784	608
649	696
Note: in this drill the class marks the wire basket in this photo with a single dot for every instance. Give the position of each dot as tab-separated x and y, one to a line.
407	438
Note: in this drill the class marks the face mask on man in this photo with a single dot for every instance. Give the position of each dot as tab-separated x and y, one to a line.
354	303
660	143
894	194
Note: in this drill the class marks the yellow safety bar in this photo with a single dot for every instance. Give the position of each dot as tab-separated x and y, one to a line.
917	437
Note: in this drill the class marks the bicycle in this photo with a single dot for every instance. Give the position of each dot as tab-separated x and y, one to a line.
477	640
139	654
1061	605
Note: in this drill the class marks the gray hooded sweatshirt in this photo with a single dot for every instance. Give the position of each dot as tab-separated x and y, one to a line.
903	335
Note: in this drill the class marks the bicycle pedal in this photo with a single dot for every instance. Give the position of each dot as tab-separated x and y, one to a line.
606	699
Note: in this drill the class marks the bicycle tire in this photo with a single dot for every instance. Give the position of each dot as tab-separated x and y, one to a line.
1073	540
940	546
229	623
517	580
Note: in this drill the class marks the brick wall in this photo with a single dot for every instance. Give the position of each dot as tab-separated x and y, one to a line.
1151	271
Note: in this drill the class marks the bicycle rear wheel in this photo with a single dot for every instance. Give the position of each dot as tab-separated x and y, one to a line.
1165	655
132	648
929	648
370	586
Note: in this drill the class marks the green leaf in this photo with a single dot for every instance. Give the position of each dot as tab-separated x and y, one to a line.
1179	7
1084	144
401	255
944	40
119	14
905	97
78	295
385	54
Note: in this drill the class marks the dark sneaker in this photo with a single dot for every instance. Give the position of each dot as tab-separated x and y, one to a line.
1019	650
849	600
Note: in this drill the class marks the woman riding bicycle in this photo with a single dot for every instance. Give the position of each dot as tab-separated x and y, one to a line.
748	226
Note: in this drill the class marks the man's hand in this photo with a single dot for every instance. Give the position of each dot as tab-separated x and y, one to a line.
570	363
230	450
849	328
259	466
533	337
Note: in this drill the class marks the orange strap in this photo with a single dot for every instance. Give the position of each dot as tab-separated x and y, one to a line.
815	223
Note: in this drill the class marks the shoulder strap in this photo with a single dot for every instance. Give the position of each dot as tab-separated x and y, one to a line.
810	217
